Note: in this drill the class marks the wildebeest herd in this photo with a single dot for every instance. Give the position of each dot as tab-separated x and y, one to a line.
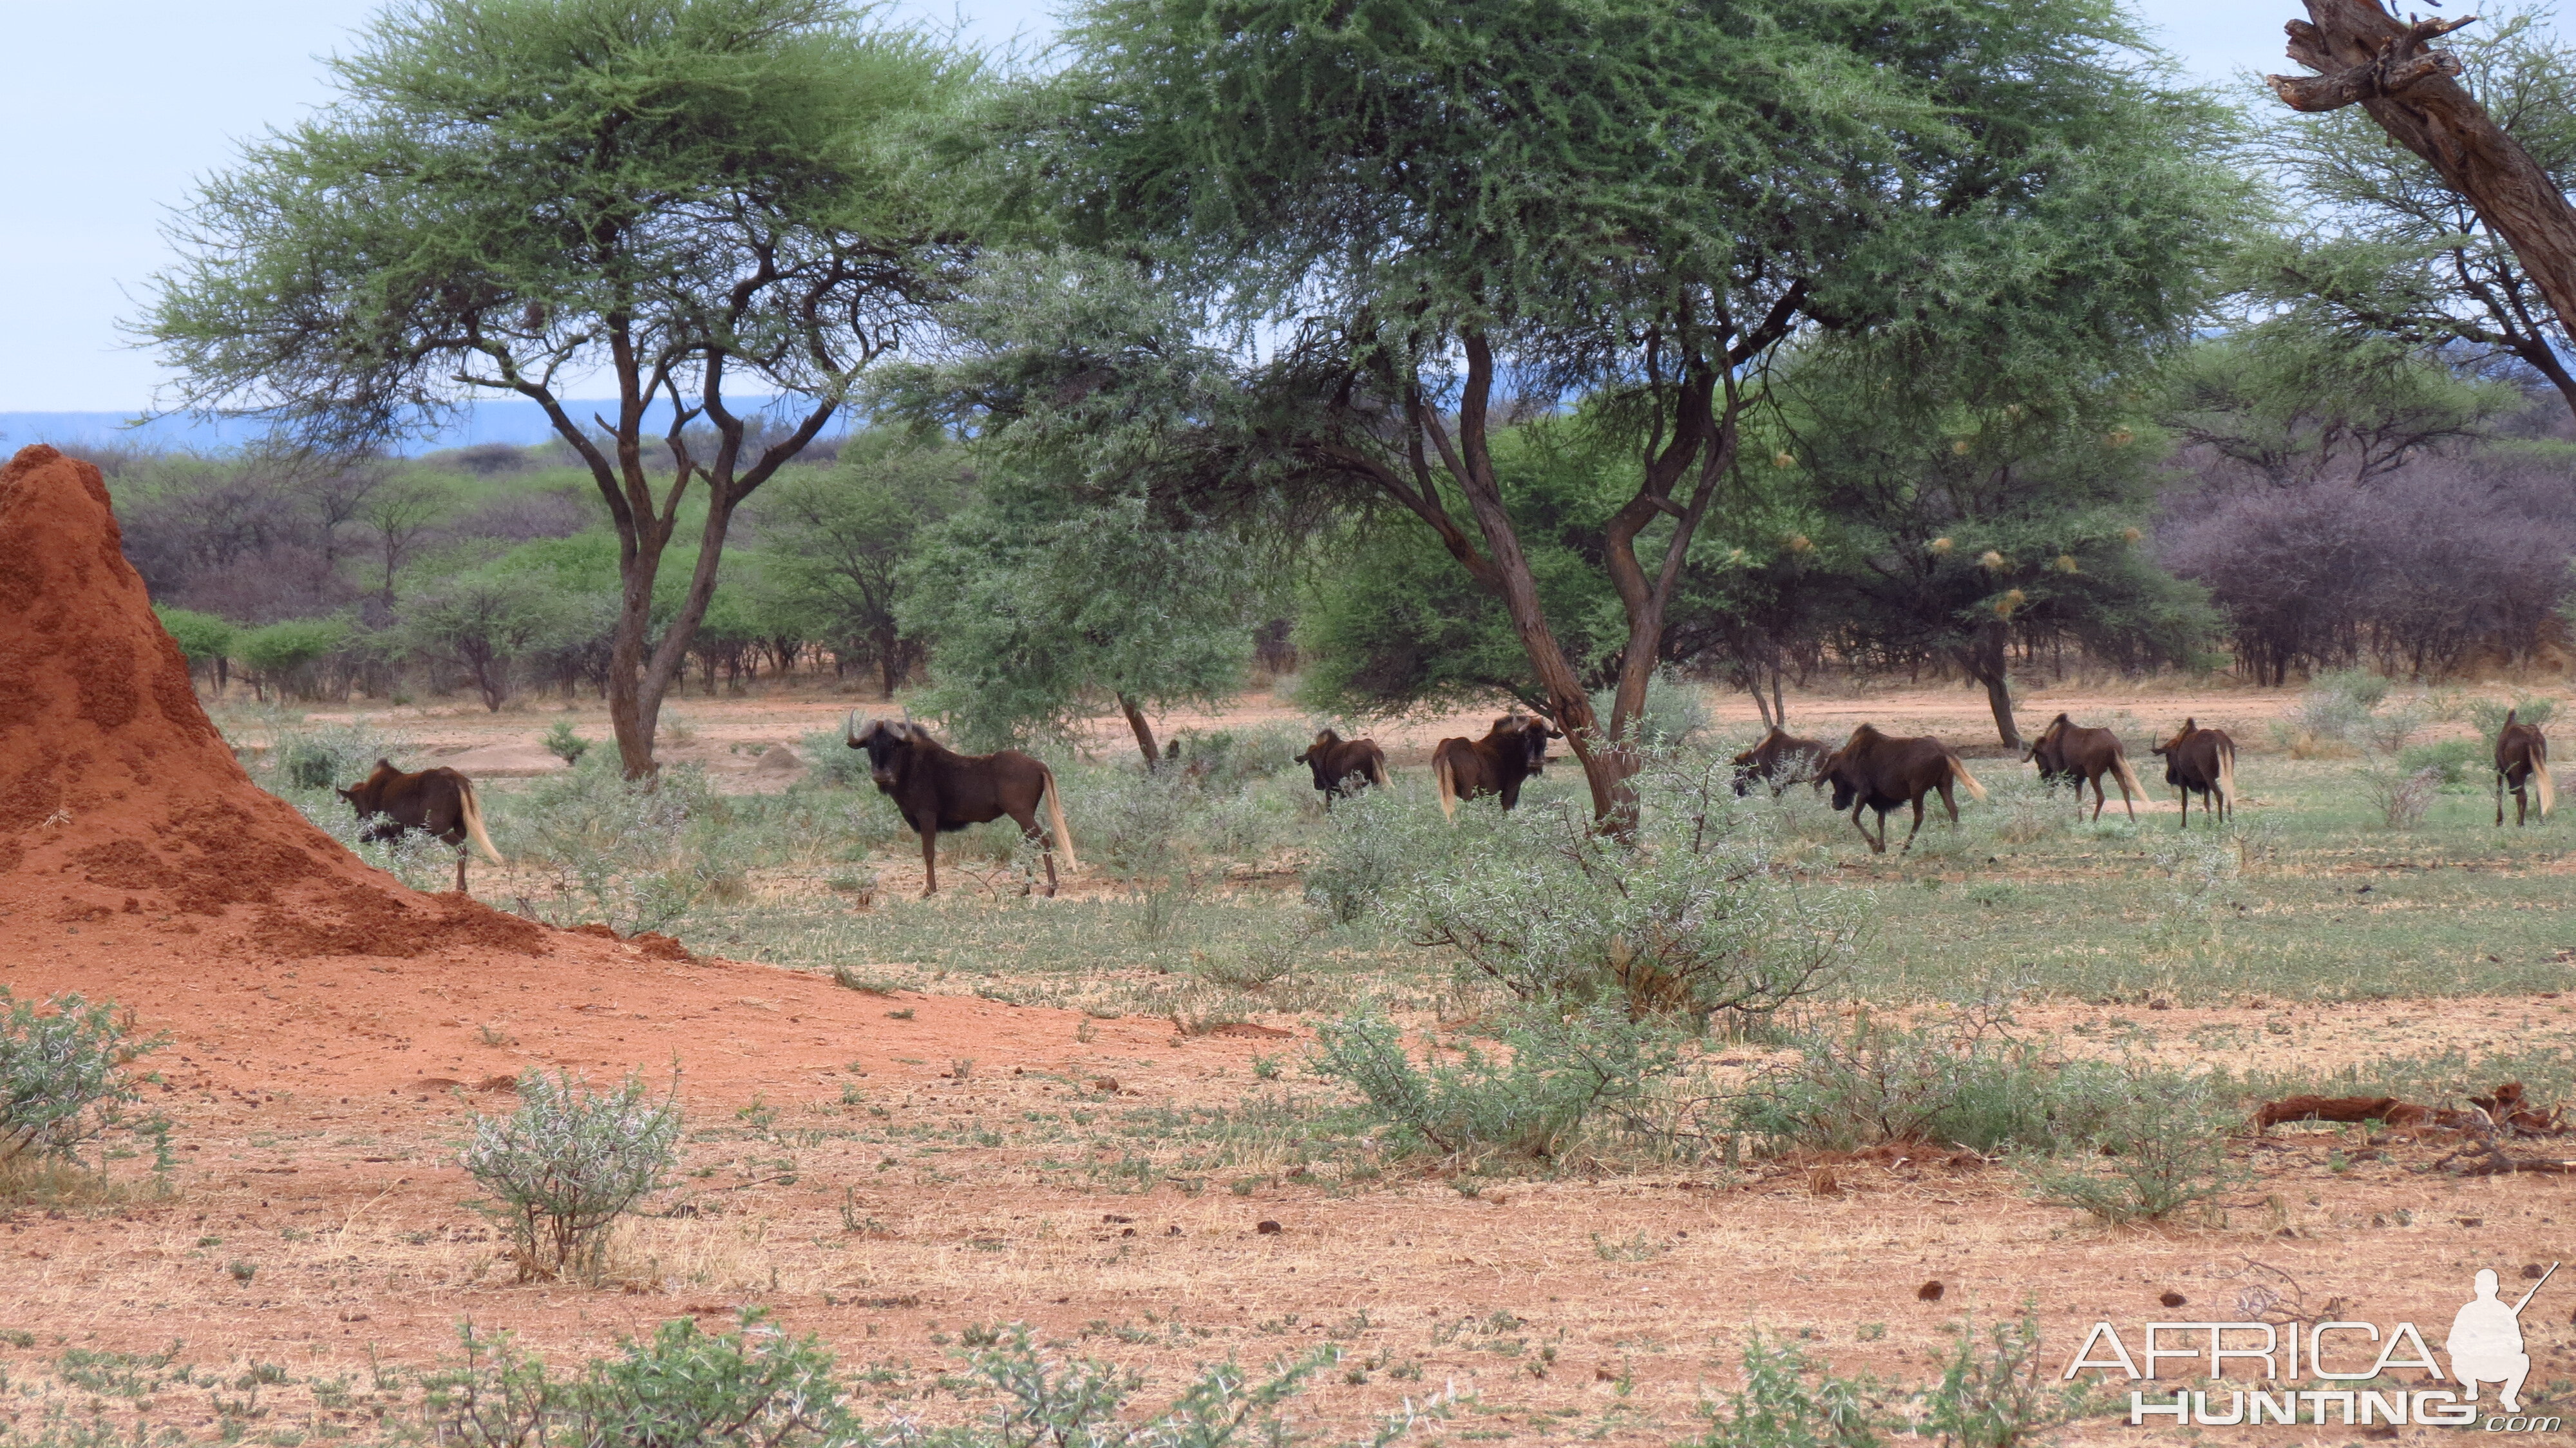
939	790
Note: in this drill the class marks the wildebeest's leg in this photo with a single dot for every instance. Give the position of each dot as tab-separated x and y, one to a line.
460	869
2520	799
1029	831
2186	806
1918	821
1877	846
2099	799
1947	803
930	861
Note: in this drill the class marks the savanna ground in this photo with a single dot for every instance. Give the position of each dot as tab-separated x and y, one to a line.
1078	1113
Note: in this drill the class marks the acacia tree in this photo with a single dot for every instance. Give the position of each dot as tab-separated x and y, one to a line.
1109	553
1623	199
837	540
690	200
2396	252
1959	512
2365	56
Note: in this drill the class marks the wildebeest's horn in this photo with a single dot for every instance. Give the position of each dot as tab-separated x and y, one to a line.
850	730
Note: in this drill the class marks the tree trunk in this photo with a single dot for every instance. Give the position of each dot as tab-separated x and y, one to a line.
1144	732
2364	56
890	661
1985	662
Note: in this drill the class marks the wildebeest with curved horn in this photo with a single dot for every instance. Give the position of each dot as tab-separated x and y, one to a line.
2202	762
2522	765
2070	752
1875	771
1337	762
937	790
1780	760
1511	751
438	802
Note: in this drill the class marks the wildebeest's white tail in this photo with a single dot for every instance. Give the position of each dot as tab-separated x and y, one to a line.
1967	781
2540	776
2227	773
1055	817
2128	776
1377	769
1440	770
474	822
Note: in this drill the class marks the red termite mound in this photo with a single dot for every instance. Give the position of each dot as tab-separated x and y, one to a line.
120	804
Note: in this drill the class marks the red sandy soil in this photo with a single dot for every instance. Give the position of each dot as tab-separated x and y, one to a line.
331	1032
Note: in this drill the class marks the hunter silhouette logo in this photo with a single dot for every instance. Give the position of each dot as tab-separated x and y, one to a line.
2257	1368
2486	1340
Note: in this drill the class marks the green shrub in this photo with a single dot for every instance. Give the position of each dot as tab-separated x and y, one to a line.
1778	1406
1881	1083
2488	716
1224	760
2455	761
567	1164
1371	847
2156	1144
1688	916
564	744
63	1082
283	655
1561	1079
1997	1395
756	1387
201	637
830	760
633	855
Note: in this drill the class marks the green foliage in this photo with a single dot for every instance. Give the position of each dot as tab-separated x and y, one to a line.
1966	1084
2291	404
1393	623
2386	251
1998	1393
1674	713
2156	1145
1956	506
63	1082
1087	573
2488	714
688	1388
1373	845
1688	915
564	744
836	541
2454	761
567	1164
200	636
1040	614
1778	1407
283	655
1589	1075
633	855
484	622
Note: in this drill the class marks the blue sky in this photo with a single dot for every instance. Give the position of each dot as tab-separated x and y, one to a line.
114	110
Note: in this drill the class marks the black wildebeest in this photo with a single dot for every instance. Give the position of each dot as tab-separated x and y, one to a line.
937	789
2071	752
1874	771
1338	761
437	802
1780	760
1513	750
2522	764
2202	762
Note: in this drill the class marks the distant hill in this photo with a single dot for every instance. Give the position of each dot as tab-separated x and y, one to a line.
512	420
